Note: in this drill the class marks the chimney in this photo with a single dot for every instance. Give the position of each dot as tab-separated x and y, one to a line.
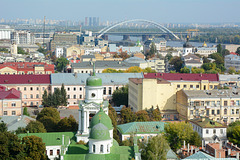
62	139
202	144
191	149
220	145
229	152
219	155
184	144
215	155
19	118
188	147
237	155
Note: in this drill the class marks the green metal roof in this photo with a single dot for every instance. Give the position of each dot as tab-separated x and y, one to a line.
207	123
141	127
94	81
52	138
99	132
171	155
203	156
101	117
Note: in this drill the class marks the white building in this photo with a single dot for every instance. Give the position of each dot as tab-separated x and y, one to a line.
187	48
5	32
210	131
59	52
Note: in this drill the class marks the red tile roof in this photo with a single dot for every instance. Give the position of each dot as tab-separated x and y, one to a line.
25	79
233	53
183	76
9	94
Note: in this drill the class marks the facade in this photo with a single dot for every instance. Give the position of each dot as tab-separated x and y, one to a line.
187	48
160	44
31	86
205	51
75	83
26	68
74	52
220	105
62	40
229	80
60	52
230	47
165	86
5	32
10	102
22	37
192	60
232	61
209	130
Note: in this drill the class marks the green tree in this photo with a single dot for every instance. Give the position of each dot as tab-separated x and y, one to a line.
149	70
35	127
21	51
3	127
49	117
231	70
219	48
168	56
42	50
197	70
152	51
109	70
120	96
185	70
34	148
4	50
134	69
67	124
25	111
61	64
177	63
56	97
11	147
45	99
127	115
113	115
156	115
238	51
196	139
142	116
63	100
128	142
156	148
225	52
234	136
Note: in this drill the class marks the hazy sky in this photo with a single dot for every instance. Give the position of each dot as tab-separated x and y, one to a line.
163	11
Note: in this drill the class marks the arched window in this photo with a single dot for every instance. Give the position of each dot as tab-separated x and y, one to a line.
94	148
101	149
108	148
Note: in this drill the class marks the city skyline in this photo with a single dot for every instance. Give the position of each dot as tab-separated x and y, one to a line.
163	11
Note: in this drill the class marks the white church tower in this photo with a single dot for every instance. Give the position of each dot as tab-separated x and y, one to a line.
187	48
91	105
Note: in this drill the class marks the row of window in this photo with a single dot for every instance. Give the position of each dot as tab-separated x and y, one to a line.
197	86
74	96
51	152
5	113
213	103
101	148
32	88
197	112
31	96
13	104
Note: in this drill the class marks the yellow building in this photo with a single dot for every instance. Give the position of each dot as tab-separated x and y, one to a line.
74	51
159	89
219	105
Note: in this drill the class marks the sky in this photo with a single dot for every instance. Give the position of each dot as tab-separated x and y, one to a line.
163	11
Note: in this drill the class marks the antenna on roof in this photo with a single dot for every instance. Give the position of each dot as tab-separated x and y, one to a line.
94	69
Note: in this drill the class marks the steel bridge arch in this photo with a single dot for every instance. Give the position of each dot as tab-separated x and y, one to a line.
159	26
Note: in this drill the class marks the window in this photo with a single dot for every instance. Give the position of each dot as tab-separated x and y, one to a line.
202	103
31	88
101	148
68	89
191	103
25	96
37	96
116	88
31	96
13	104
18	88
178	86
207	112
221	131
218	103
110	90
5	104
184	86
232	103
74	96
191	86
51	152
214	131
225	103
37	88
232	119
215	86
191	112
212	103
207	103
225	111
68	96
204	87
80	88
80	96
94	148
237	111
43	88
25	88
13	113
58	151
74	88
237	102
197	86
197	112
232	111
207	131
108	148
104	90
218	111
213	112
211	86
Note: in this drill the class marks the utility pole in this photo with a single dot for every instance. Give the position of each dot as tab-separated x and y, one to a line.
44	31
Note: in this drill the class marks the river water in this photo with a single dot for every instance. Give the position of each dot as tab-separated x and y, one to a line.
169	43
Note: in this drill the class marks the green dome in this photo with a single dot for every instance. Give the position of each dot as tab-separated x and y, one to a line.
94	81
99	132
101	117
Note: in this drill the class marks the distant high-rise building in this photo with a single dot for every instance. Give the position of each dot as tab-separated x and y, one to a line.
90	21
86	21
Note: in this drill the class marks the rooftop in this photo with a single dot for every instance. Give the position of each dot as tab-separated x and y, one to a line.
207	123
24	79
203	156
9	94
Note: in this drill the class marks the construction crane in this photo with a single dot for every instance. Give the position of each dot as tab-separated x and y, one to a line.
192	31
44	31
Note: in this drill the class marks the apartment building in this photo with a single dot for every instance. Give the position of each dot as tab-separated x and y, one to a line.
219	105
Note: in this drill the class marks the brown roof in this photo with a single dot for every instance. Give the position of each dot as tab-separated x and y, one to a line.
136	80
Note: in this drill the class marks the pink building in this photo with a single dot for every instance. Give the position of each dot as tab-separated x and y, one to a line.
10	102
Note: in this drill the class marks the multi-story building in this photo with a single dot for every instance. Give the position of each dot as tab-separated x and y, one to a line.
192	60
75	83
31	86
230	47
159	89
219	105
160	44
229	80
62	40
22	37
209	130
10	102
232	61
5	32
26	68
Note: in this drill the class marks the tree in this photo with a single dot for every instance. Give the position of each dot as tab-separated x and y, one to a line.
219	48
238	51
231	70
63	99
34	148
197	70
3	127
127	115
45	99
225	52
61	64
67	124
168	56
176	133
21	51
25	112
185	70
152	51
56	97
134	69
234	136
177	63
35	127
49	117
156	115
11	147
156	148
149	70
120	96
128	142
109	70
42	50
196	139
142	116
113	115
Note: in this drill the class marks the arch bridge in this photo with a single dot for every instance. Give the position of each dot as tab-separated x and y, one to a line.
157	25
